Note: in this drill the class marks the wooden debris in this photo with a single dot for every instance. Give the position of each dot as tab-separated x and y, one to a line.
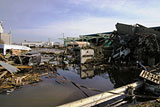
2	57
3	74
19	79
20	67
24	67
150	76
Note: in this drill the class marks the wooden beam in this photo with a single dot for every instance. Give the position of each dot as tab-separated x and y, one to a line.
3	74
19	67
24	67
3	58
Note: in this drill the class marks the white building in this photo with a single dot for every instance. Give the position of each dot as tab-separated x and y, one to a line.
5	38
33	44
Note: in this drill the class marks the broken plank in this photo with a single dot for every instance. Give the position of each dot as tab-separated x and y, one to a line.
3	74
1	56
20	67
24	67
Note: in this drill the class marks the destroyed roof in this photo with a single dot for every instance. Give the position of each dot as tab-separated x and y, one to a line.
14	47
17	47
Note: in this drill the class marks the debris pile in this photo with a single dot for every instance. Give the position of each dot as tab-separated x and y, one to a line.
21	69
135	43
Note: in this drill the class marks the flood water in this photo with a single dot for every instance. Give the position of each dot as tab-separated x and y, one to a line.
54	90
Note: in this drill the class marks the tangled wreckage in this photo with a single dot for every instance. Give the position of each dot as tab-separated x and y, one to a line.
139	45
19	68
135	43
130	45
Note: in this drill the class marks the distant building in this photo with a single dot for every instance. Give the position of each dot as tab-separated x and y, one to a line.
77	43
5	38
33	44
51	43
48	44
56	45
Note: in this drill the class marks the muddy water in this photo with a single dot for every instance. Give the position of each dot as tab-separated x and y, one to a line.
52	92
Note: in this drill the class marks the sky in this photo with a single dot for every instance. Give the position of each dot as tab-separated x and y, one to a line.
38	20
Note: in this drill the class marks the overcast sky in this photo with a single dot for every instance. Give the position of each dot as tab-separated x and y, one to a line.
38	20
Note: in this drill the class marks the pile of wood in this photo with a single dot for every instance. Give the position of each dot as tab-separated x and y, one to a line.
13	75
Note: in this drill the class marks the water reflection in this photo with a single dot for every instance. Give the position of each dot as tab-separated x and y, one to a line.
119	76
86	71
